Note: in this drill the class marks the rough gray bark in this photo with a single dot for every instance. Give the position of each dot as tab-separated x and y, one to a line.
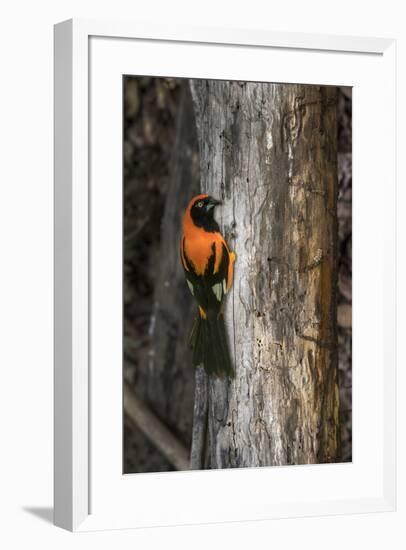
270	152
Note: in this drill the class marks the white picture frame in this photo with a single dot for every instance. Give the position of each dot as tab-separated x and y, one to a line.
90	491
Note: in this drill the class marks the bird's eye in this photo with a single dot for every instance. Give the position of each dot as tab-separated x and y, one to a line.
200	204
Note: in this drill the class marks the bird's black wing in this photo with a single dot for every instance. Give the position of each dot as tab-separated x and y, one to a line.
210	288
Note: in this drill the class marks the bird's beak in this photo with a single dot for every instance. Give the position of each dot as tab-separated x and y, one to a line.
212	203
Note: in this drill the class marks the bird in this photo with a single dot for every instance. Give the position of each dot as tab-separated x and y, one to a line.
208	263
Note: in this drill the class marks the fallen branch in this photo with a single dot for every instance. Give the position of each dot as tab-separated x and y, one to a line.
158	434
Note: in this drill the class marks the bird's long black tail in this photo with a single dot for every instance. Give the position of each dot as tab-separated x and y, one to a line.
210	346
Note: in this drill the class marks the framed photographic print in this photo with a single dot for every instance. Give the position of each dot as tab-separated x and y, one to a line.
224	275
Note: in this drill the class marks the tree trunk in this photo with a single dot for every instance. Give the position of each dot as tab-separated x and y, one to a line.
269	151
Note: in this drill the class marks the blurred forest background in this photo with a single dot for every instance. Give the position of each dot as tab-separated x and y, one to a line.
161	172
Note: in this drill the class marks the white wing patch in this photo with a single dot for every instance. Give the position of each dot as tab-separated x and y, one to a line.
218	290
189	284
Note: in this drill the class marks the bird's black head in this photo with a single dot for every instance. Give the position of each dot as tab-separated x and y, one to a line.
202	211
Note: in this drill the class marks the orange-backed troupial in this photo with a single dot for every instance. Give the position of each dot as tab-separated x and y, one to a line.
208	265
